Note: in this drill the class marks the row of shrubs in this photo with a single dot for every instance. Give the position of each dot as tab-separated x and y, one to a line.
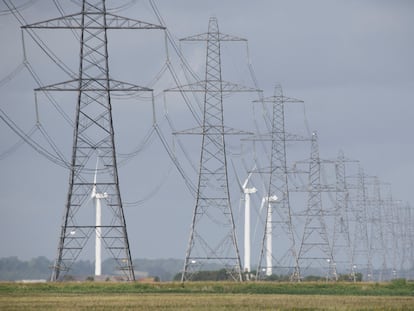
224	275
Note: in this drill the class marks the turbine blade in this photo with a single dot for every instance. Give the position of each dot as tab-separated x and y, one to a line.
246	181
96	170
248	177
262	204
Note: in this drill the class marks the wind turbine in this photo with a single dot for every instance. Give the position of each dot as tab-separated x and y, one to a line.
269	219
98	222
247	192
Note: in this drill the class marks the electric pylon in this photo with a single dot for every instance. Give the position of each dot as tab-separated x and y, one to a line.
391	238
409	240
341	240
93	136
314	250
212	243
377	235
361	257
283	257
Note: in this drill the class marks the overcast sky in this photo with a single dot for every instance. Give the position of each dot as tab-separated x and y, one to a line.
350	61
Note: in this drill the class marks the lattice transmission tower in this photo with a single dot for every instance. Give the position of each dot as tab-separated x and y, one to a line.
361	255
213	237
93	137
282	257
315	250
377	243
341	239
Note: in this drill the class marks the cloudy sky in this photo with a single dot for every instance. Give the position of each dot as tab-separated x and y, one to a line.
350	61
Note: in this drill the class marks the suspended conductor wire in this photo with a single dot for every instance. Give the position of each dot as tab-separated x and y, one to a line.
62	13
125	95
18	144
28	137
32	72
12	74
171	39
123	7
53	145
129	95
176	79
266	116
171	125
191	187
152	193
196	116
38	148
39	41
21	7
25	137
188	78
74	32
39	83
127	157
119	8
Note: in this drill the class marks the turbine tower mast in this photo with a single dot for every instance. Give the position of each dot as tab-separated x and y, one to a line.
213	236
97	197
93	134
247	243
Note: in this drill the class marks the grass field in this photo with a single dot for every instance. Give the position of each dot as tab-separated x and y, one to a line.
206	296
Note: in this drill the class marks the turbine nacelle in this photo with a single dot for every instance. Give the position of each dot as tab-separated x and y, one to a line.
101	195
249	190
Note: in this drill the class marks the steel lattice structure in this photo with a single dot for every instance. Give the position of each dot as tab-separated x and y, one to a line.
361	255
315	250
377	235
213	236
93	137
341	240
283	257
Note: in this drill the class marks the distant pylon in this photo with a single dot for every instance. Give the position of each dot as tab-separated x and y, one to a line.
282	257
93	134
361	256
314	250
212	243
392	240
341	240
378	230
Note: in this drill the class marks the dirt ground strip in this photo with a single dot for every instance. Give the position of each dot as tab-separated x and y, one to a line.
201	302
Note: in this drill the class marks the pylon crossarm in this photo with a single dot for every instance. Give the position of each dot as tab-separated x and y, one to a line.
275	99
221	37
74	21
94	85
201	86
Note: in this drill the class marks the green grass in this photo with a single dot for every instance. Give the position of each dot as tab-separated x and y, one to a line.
206	296
396	288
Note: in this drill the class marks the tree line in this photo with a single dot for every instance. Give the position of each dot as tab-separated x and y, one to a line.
39	268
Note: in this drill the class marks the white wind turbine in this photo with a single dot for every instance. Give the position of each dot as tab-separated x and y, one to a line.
98	222
269	219
247	244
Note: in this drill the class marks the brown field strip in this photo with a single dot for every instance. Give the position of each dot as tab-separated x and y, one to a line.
239	302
